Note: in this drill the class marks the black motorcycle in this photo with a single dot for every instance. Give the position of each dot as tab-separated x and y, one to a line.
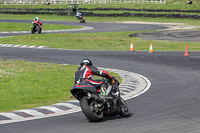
99	103
81	19
36	28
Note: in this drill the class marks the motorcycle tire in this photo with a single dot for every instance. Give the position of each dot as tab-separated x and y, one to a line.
40	30
124	110
32	31
88	108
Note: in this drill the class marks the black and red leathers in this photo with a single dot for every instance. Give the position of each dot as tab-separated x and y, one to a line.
38	22
85	73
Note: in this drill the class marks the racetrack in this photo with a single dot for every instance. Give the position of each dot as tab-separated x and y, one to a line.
171	105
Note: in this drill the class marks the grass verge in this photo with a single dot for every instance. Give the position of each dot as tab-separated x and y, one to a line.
171	4
27	84
6	26
98	41
102	19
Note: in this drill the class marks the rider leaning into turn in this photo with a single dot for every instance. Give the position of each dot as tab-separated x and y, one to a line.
78	15
36	20
87	70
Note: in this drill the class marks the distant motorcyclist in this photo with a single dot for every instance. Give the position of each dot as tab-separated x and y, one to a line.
37	26
189	2
37	21
87	70
78	15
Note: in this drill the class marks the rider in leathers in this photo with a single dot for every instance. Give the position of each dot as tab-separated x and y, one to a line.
87	70
37	21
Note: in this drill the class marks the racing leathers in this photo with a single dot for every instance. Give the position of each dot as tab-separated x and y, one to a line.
38	22
85	73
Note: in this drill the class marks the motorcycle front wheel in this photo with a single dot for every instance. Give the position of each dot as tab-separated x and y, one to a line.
32	30
124	110
39	30
91	110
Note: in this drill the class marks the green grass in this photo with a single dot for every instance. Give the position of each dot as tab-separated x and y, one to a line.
115	12
6	26
102	19
28	85
173	4
98	41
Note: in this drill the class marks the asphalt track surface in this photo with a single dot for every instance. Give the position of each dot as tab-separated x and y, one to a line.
171	105
98	27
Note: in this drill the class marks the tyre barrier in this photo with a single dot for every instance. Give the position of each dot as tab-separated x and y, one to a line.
125	14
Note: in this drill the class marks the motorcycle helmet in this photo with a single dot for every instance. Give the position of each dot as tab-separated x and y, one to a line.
37	18
86	62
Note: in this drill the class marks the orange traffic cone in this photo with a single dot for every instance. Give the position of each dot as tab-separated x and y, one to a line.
186	51
131	47
151	48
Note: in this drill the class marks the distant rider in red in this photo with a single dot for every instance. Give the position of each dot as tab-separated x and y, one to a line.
37	21
87	70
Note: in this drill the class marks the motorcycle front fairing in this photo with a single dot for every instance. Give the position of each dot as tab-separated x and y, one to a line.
79	90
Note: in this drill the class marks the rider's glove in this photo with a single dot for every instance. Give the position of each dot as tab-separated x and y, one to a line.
112	81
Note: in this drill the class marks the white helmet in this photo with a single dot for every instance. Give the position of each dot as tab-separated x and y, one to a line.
37	18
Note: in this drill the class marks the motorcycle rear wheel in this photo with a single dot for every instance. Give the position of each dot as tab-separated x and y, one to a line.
90	110
124	110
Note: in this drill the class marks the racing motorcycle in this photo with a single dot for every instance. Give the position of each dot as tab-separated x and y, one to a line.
97	104
81	19
36	28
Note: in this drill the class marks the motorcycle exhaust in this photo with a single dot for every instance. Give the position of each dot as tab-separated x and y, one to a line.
89	96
